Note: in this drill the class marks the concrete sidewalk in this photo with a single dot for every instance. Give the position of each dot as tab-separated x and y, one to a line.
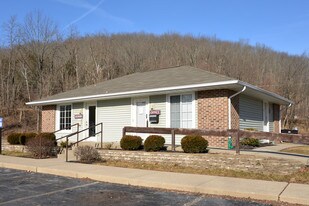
269	151
255	189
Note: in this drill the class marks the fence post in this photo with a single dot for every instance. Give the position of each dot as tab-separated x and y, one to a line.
237	142
101	135
173	140
67	149
77	133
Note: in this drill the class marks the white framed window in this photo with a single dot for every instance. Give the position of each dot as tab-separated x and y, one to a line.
65	117
181	111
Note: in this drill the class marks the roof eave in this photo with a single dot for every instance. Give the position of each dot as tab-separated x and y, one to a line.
284	100
194	87
131	93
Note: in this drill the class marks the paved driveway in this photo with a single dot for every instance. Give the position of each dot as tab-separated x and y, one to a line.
27	188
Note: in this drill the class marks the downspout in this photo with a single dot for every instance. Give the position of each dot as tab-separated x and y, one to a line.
229	106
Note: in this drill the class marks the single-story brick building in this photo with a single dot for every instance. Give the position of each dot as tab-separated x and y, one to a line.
179	97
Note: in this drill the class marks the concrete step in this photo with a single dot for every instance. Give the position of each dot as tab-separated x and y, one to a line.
71	156
93	144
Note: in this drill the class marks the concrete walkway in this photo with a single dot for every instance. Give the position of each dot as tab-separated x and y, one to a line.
256	189
269	151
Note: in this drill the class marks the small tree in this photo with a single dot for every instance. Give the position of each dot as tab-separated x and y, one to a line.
41	147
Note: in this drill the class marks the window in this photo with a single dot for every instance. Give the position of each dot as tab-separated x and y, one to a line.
65	117
181	111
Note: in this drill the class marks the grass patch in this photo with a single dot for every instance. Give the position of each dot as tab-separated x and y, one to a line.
297	150
16	154
301	176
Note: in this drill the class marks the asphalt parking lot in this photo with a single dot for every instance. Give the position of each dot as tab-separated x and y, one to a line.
27	188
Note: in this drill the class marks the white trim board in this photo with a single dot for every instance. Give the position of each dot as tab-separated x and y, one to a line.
130	93
166	90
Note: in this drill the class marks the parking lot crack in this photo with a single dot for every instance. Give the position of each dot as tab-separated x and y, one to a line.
193	202
49	193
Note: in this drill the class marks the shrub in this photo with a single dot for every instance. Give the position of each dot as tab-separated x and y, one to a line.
63	144
87	154
129	142
194	144
109	145
154	143
48	135
251	129
26	137
249	141
41	147
13	138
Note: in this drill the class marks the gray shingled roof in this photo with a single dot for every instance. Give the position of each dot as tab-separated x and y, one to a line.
163	80
170	77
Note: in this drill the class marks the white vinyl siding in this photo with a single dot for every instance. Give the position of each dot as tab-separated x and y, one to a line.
115	114
158	102
250	113
78	108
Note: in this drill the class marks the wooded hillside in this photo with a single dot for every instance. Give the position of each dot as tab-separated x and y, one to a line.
37	60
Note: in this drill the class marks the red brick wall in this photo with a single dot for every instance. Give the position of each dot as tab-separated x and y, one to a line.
276	109
217	141
213	114
213	109
48	118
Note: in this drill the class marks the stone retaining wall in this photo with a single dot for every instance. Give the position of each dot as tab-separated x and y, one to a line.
17	148
203	161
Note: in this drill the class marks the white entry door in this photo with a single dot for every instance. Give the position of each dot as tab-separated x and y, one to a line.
90	121
266	117
141	114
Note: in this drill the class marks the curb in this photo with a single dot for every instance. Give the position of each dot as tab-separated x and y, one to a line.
197	188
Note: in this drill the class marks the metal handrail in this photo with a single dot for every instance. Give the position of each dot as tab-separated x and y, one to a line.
72	144
69	127
69	135
77	132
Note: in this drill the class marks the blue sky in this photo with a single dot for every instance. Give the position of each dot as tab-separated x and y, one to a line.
282	25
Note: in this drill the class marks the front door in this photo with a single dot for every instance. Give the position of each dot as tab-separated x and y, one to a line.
141	114
92	120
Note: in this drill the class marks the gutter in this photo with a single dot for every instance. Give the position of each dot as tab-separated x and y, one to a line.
263	91
130	93
159	90
229	102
